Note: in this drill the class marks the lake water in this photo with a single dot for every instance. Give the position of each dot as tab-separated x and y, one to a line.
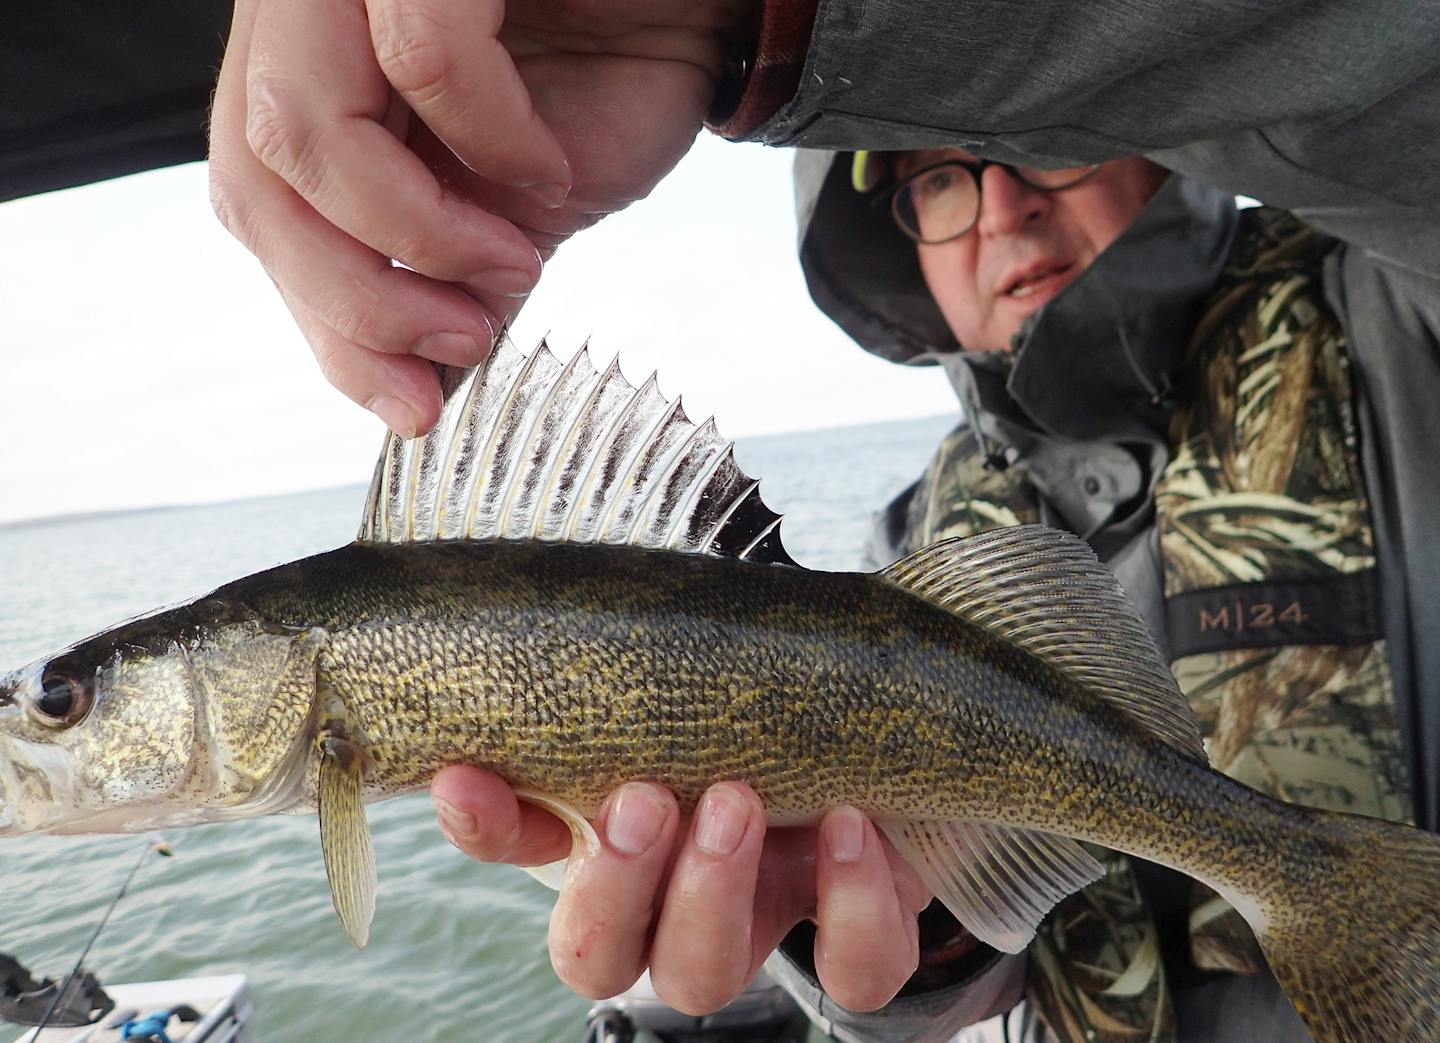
457	950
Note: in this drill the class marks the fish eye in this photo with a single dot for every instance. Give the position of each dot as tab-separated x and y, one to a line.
64	699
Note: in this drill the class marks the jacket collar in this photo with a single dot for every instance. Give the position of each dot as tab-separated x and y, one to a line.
1098	361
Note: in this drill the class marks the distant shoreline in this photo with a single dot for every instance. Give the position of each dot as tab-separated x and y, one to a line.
125	512
85	516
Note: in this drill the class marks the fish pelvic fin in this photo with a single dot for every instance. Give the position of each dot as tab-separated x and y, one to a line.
345	838
530	448
999	881
586	840
1354	936
1045	591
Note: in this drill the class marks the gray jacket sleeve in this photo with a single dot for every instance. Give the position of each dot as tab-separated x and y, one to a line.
1329	109
927	1017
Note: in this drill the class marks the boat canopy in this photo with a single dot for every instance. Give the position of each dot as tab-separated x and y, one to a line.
95	89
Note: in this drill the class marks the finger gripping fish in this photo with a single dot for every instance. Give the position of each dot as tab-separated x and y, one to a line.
572	584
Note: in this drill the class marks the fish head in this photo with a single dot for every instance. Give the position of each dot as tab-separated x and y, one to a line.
83	743
171	720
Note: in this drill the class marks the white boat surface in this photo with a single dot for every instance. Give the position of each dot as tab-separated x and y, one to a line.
222	1001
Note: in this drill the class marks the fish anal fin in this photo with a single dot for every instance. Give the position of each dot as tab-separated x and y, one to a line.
1045	591
345	838
999	881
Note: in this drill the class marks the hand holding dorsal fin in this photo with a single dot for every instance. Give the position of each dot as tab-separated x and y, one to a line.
1045	591
533	449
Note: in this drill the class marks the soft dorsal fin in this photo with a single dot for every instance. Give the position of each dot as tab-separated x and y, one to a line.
529	448
1044	590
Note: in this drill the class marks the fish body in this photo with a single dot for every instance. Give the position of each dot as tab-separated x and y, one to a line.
571	669
988	702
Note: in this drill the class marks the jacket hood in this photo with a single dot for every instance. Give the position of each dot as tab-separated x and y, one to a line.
1116	333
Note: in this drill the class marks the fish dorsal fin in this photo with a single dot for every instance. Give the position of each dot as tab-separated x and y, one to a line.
999	881
1044	590
529	448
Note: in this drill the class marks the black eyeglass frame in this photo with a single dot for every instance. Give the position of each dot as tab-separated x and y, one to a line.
976	169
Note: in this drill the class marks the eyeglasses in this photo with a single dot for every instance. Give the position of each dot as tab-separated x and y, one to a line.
941	202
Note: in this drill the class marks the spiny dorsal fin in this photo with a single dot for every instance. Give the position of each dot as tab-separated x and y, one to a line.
1045	591
533	449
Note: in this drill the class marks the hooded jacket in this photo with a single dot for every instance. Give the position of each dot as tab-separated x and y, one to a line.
1089	377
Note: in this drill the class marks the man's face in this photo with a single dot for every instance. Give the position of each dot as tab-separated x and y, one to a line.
1027	245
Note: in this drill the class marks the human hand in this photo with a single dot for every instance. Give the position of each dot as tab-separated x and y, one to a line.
464	139
702	903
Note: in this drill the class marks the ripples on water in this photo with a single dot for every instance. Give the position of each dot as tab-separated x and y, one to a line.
457	950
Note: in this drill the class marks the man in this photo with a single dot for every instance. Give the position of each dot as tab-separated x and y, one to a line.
322	169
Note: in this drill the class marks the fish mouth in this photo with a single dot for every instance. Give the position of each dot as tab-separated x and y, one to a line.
8	827
37	787
40	792
39	781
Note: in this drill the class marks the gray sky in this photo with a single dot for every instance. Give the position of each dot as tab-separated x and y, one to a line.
147	359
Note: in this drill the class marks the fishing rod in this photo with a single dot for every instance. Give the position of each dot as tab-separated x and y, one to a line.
159	847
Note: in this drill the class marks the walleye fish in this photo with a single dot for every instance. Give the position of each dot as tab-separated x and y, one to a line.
572	584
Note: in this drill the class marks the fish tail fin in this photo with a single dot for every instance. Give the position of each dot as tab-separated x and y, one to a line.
1355	939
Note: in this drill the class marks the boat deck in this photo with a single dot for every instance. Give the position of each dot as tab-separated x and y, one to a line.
223	1002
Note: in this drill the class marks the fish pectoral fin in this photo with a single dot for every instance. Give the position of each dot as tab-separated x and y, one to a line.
345	838
999	881
587	841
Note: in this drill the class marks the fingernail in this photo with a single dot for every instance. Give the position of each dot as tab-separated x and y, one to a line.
845	834
397	414
453	349
635	819
551	195
721	821
453	820
507	282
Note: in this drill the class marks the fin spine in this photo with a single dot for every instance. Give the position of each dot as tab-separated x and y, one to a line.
567	440
539	449
532	423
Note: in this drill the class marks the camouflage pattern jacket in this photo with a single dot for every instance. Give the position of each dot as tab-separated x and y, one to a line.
1270	613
